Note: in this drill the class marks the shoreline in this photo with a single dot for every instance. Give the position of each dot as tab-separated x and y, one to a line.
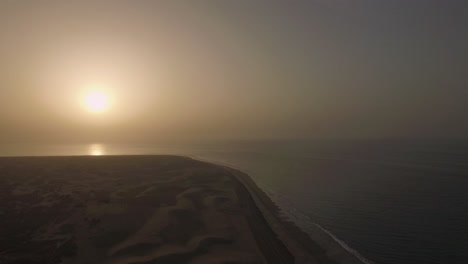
299	243
279	239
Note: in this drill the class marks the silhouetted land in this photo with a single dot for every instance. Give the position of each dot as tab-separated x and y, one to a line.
140	209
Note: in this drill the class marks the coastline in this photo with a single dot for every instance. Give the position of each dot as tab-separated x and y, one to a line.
322	247
82	199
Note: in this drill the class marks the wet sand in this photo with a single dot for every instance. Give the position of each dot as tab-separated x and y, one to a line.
141	209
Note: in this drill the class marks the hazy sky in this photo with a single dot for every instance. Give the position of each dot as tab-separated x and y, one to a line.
247	69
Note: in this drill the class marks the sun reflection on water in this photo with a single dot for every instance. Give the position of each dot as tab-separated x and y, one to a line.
96	150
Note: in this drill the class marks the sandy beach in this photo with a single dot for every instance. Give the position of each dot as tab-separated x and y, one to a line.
142	209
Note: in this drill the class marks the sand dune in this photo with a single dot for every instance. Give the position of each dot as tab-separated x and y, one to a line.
139	209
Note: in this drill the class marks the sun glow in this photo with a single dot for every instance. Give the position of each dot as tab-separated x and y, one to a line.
96	150
96	101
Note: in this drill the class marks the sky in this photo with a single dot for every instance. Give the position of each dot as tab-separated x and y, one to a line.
233	70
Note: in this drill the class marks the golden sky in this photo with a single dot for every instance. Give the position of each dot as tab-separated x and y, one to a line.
232	69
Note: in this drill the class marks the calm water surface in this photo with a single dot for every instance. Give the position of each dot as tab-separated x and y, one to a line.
393	202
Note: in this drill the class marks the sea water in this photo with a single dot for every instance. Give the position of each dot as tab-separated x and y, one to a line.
389	202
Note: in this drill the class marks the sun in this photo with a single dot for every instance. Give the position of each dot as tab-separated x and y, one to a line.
96	101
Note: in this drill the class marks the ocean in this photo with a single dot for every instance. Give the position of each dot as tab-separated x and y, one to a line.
390	202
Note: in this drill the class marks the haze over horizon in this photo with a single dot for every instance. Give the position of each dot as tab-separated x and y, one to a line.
199	70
